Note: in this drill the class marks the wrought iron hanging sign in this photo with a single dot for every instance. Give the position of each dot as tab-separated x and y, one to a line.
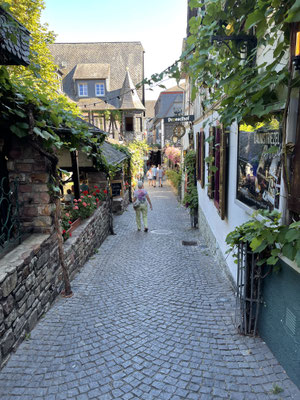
178	133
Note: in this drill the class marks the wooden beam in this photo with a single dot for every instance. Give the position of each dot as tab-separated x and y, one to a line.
75	170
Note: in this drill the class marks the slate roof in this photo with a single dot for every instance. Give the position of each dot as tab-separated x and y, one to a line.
92	71
112	155
175	89
118	55
129	97
150	108
14	48
166	102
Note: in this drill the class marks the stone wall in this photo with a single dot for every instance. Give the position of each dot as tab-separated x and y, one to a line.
86	238
31	278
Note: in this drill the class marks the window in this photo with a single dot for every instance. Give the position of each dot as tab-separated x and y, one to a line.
129	124
200	157
217	169
139	121
294	196
259	170
82	90
100	89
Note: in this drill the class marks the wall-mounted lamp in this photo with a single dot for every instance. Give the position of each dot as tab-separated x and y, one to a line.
296	58
244	44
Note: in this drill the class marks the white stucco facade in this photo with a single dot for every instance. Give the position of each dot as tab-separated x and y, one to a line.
210	223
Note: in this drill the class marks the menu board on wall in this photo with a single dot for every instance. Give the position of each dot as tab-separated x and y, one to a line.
259	169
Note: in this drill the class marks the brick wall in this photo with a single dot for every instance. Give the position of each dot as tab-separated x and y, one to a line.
31	278
33	171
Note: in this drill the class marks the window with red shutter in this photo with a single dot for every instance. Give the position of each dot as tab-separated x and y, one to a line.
218	149
211	155
200	157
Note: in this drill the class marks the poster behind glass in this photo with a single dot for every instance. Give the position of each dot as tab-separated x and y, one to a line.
259	172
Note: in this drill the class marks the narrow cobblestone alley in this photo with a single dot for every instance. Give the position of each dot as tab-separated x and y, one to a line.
149	319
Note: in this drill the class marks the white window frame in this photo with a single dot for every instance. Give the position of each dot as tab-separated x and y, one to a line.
102	92
84	91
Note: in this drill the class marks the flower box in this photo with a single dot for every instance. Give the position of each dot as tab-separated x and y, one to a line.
74	225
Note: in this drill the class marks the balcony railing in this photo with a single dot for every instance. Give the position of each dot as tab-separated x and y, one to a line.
10	226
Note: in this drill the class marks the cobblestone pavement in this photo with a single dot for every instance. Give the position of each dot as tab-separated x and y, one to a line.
149	319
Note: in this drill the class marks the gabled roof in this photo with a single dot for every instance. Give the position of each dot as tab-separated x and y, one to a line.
166	102
129	97
14	43
118	55
92	71
174	89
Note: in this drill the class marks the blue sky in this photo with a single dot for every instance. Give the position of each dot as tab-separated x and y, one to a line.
160	26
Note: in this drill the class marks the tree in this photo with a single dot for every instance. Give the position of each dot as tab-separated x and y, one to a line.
41	75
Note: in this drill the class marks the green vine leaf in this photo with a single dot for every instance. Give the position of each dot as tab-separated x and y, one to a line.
292	235
17	131
297	258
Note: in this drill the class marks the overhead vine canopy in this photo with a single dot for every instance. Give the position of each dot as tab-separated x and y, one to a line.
32	116
243	89
238	86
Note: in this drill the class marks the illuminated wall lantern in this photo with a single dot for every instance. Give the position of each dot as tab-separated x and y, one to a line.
296	58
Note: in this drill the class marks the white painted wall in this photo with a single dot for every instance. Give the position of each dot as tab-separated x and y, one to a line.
237	212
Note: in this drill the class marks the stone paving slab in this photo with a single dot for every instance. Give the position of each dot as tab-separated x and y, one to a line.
149	319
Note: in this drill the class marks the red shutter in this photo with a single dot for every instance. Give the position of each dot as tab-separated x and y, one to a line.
217	143
219	176
198	157
210	188
223	172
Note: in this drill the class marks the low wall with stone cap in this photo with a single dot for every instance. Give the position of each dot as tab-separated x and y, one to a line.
31	276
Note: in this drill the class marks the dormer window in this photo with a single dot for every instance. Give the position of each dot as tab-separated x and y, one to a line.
100	89
82	89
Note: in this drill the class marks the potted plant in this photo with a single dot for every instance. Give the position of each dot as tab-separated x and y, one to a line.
257	246
82	208
68	224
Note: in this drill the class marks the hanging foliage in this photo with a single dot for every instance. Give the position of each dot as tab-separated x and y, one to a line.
30	115
228	80
173	154
190	199
137	150
242	89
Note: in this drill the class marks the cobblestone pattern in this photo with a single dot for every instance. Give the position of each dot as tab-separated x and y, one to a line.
31	279
150	319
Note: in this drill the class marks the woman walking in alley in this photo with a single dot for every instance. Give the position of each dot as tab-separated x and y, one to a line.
154	173
149	176
140	205
160	175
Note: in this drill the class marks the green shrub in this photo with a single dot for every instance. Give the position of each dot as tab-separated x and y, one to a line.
190	199
174	177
